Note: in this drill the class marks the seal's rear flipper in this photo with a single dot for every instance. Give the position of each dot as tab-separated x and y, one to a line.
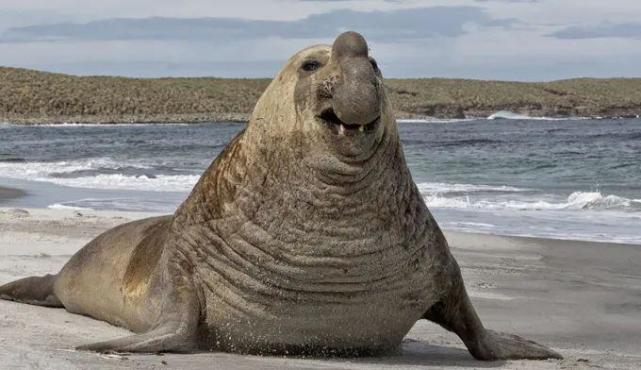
36	290
176	329
175	338
456	313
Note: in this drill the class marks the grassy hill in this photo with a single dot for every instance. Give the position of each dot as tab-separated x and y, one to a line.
29	96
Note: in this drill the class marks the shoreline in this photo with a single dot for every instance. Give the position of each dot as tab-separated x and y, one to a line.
48	214
242	118
580	298
56	212
42	194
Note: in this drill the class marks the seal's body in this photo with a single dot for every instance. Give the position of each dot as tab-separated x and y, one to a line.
306	235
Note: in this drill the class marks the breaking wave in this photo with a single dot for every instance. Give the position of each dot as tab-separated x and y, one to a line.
118	204
443	188
123	182
101	173
465	196
106	173
434	120
505	114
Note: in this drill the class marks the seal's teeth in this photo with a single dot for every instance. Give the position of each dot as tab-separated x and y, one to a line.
341	129
361	128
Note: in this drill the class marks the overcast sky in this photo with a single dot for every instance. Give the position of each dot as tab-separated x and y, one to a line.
483	39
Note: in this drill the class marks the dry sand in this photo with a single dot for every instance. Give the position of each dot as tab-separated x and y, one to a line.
583	299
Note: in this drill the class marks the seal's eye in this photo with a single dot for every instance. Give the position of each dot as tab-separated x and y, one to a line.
373	63
310	65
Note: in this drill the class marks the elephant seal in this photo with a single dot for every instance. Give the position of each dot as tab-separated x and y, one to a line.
305	235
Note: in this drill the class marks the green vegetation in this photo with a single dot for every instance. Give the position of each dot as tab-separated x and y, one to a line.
37	97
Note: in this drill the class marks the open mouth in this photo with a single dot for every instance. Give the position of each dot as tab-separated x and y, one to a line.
329	117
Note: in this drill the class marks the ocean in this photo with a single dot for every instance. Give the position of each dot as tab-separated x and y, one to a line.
564	179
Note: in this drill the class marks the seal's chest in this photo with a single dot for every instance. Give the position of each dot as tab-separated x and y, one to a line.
342	311
336	288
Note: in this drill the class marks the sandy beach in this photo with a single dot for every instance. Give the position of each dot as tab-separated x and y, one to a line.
583	299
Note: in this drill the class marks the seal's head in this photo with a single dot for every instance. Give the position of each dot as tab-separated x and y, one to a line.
331	99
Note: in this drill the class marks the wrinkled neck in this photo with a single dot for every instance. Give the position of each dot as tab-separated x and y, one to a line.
268	180
275	216
352	174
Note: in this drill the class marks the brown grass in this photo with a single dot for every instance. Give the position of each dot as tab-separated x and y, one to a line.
32	96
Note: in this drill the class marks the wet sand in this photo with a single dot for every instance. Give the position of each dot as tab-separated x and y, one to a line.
582	299
10	193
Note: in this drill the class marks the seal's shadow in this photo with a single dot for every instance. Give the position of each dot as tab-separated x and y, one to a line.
419	353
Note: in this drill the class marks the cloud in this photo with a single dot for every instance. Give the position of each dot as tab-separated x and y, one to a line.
508	1
391	25
621	30
488	39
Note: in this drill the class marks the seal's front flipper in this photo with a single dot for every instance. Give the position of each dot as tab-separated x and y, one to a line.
512	347
36	290
165	339
456	313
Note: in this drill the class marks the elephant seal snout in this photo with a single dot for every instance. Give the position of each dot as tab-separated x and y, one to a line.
357	91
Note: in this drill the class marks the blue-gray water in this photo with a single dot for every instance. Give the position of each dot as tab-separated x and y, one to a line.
573	179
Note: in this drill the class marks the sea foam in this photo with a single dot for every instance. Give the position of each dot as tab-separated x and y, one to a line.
504	114
70	173
467	196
